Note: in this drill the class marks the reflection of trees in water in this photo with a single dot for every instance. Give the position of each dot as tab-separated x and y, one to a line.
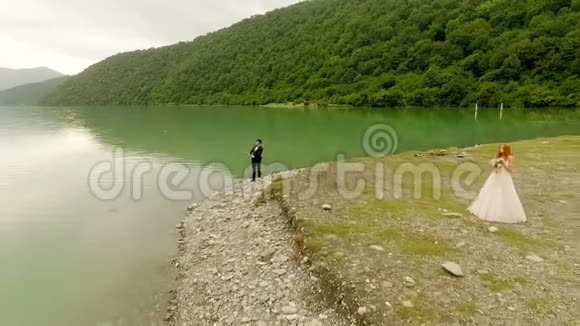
299	138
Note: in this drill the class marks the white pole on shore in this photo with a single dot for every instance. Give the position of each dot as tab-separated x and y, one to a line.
501	112
476	109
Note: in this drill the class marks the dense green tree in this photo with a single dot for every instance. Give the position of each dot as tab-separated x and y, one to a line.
360	52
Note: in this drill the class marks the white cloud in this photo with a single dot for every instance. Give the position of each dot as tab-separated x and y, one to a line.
69	35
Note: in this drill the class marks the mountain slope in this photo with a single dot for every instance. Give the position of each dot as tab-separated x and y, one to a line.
30	94
362	52
14	77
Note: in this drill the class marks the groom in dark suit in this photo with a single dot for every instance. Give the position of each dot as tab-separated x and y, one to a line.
256	155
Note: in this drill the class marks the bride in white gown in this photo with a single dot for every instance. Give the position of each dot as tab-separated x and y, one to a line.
498	200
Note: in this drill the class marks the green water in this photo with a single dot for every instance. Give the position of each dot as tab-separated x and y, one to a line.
68	257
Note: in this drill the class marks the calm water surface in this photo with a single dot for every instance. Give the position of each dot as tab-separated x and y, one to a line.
70	258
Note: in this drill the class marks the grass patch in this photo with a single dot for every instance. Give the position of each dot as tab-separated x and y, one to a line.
423	245
277	188
565	267
496	284
415	244
419	312
540	306
314	245
342	230
467	309
520	240
522	280
275	191
407	208
551	222
370	232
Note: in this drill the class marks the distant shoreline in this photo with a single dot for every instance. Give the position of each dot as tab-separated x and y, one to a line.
302	106
308	105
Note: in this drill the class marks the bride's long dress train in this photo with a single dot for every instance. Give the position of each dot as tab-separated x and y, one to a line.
498	200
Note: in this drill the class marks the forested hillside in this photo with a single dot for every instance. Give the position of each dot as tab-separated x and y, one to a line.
30	94
361	52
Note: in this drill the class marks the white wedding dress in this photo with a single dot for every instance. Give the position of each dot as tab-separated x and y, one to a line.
498	200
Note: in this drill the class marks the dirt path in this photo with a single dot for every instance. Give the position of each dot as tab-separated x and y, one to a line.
239	266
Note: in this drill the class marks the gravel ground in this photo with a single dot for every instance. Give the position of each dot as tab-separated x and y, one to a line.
238	266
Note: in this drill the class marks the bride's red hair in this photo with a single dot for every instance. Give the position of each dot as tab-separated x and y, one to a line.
505	151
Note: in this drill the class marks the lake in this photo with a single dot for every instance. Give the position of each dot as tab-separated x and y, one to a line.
89	197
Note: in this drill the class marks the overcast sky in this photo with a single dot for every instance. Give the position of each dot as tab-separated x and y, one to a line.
70	35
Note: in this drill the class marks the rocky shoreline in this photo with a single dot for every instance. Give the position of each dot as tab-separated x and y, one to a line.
239	265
